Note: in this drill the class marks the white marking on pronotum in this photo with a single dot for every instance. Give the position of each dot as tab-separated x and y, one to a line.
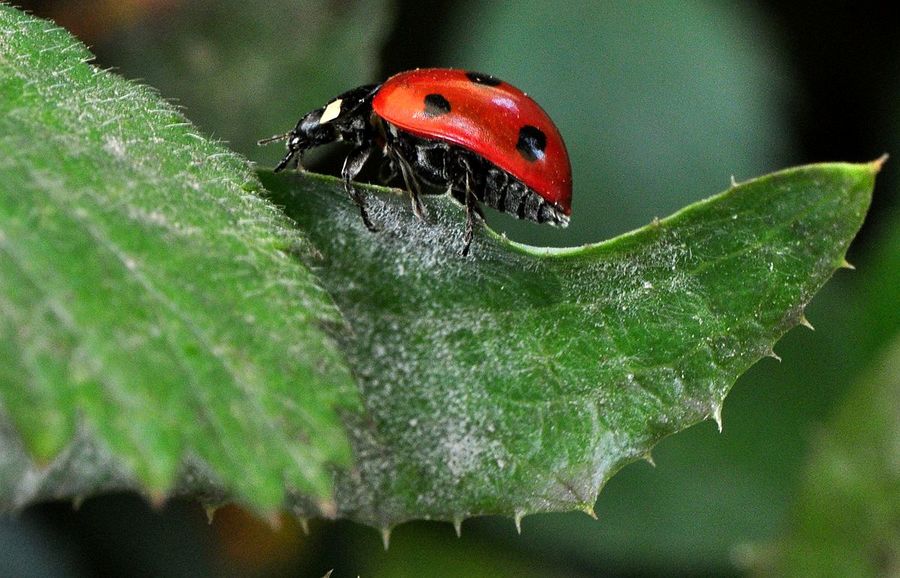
331	112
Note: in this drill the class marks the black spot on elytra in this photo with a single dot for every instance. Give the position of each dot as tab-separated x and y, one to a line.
436	105
532	142
485	79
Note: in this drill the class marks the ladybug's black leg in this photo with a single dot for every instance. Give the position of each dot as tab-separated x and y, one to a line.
473	211
412	185
291	154
295	149
352	165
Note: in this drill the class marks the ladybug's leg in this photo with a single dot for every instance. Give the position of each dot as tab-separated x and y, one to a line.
352	165
287	159
474	215
295	149
412	185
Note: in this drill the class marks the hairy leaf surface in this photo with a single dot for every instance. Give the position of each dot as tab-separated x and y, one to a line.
148	307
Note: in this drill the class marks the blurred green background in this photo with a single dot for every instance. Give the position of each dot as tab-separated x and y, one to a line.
660	103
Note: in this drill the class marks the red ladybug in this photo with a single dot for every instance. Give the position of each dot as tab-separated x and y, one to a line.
471	134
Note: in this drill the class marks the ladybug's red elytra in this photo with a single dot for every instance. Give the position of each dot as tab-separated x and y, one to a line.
473	135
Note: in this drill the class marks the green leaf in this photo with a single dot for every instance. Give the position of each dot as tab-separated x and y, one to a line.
520	379
846	521
654	120
150	308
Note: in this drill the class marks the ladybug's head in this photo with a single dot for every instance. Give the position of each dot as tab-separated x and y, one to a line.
296	142
344	118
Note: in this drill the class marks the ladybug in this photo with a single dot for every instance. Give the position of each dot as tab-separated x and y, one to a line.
470	134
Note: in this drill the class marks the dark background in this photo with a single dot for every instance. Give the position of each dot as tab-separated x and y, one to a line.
660	104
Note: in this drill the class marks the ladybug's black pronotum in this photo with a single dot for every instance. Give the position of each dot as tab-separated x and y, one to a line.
477	137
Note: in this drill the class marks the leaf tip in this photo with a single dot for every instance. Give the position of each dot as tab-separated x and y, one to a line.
157	499
805	323
304	525
648	457
589	510
41	457
211	513
328	508
386	537
717	416
879	162
845	264
77	500
457	525
517	518
771	353
274	520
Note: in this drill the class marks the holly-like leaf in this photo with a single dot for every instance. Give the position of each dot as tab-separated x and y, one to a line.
520	379
149	309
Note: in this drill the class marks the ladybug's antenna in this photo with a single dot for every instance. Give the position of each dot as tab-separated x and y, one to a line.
271	139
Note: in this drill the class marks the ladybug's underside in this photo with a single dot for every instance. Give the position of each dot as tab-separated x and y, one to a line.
449	167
